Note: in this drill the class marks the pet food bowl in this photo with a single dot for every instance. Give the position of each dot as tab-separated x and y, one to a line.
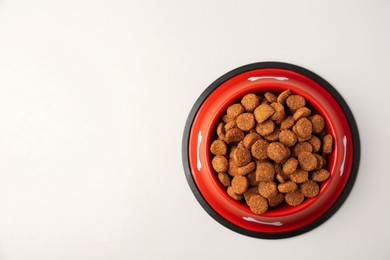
284	220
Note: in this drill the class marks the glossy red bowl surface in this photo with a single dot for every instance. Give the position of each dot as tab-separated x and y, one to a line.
284	220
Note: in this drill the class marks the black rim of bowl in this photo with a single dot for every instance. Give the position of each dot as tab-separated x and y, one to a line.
355	141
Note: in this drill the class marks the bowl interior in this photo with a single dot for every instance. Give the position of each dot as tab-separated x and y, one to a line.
284	217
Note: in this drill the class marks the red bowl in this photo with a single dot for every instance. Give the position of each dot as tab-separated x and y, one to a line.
282	221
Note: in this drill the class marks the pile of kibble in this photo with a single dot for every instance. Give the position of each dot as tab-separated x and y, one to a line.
271	149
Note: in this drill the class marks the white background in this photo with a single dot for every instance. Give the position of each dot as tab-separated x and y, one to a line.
93	100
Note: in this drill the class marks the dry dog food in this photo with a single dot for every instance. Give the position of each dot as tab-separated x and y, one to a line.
271	149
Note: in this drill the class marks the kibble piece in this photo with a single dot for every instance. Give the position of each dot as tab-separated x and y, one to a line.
230	125
239	184
310	189
233	194
288	138
276	200
251	191
224	179
283	96
234	135
252	179
259	149
315	143
279	111
274	136
287	123
299	176
265	171
320	175
295	102
268	189
250	102
233	168
277	152
220	163
235	110
281	177
318	123
250	167
218	147
270	97
245	121
302	147
242	156
301	113
250	139
265	128
288	186
327	144
320	161
263	112
258	204
294	198
303	128
221	131
307	161
290	166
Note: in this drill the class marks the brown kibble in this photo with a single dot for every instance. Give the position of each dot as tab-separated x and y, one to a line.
275	200
245	121
235	110
270	97
301	113
239	184
221	131
295	102
250	102
224	179
318	123
307	161
259	149
268	189
230	125
287	123
250	139
320	175
288	186
233	194
250	167
248	194
265	171
220	163
299	176
283	96
274	136
233	168
279	111
302	147
263	112
294	198
218	147
277	152
310	189
234	135
303	128
327	144
242	156
290	166
252	179
265	128
315	143
258	204
320	161
288	138
281	177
